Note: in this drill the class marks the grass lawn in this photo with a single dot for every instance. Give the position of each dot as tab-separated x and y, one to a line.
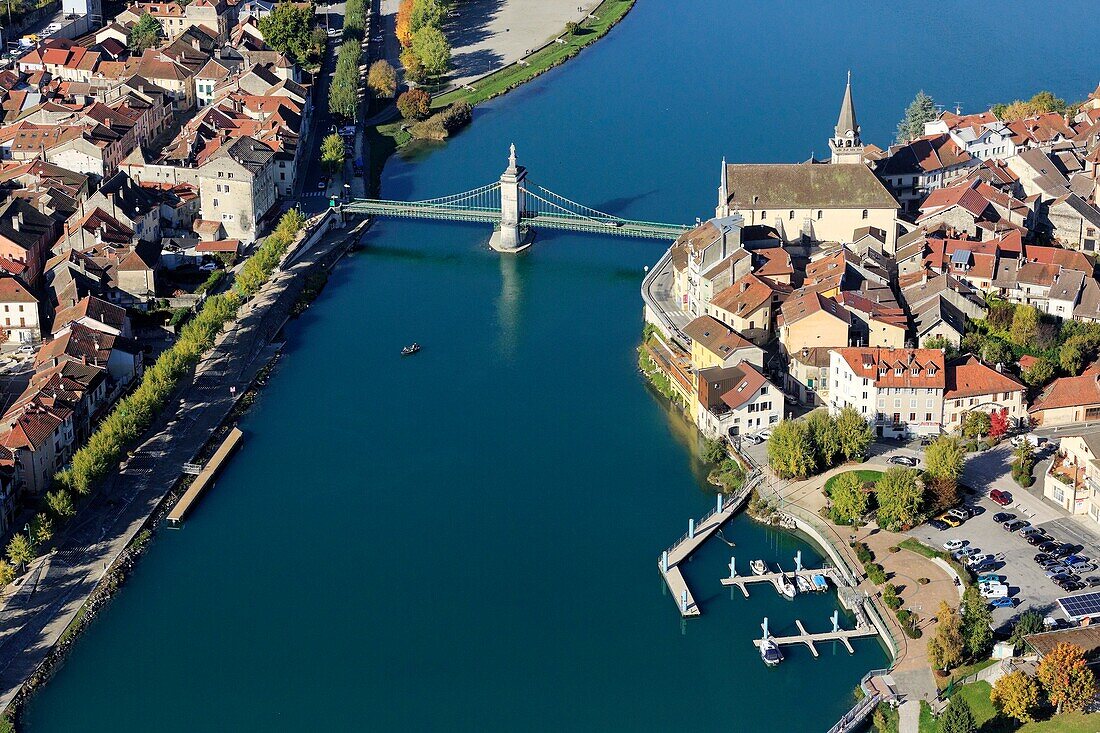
607	14
1066	723
914	545
985	715
864	475
964	671
927	723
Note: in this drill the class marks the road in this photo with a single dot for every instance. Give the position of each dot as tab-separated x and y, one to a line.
40	609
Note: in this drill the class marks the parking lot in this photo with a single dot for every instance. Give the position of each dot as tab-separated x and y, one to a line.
1027	582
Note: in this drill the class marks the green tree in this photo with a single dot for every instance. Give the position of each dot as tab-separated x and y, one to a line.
431	47
941	342
976	424
571	27
958	718
1025	325
288	29
1039	374
714	451
945	649
60	502
410	62
7	573
1030	622
145	34
414	104
332	153
1065	677
995	351
791	449
854	433
427	14
20	550
848	497
944	458
825	436
899	497
1077	351
922	109
977	620
41	529
1016	695
382	78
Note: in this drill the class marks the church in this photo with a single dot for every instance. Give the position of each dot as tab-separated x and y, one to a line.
814	202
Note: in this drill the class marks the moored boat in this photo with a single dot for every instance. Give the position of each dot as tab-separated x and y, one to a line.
410	349
786	587
804	584
820	583
758	567
770	652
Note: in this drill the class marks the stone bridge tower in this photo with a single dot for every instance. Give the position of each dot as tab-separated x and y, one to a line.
510	237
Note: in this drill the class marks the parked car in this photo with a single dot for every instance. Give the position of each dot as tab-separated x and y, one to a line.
1075	558
1093	581
985	566
1042	557
1015	525
994	590
1064	550
903	460
1035	539
1034	530
1000	497
1061	577
952	545
1083	567
1049	547
959	513
1005	602
1001	517
989	578
752	439
765	433
965	553
938	524
978	559
1070	585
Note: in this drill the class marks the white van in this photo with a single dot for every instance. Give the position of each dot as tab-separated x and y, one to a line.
994	590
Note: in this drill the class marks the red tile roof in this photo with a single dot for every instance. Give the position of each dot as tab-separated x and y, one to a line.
969	377
881	365
1069	392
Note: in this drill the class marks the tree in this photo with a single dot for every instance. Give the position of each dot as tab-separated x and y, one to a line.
60	502
332	153
410	62
403	28
431	47
922	109
945	649
854	433
943	459
1025	325
998	423
977	620
826	438
848	497
1039	374
976	424
427	14
20	550
1037	105
382	78
145	34
899	498
571	27
1077	350
958	718
288	29
941	342
1016	695
7	573
41	529
1066	678
791	449
714	451
413	104
1030	622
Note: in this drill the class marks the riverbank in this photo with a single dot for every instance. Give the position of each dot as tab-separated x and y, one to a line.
90	563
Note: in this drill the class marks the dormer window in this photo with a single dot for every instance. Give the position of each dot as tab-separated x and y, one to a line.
882	371
898	371
916	371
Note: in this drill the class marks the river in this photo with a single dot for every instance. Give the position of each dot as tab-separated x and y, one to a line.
466	540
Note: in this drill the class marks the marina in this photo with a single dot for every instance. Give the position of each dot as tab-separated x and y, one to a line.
811	639
204	478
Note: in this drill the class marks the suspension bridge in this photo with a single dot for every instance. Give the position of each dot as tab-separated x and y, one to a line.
516	207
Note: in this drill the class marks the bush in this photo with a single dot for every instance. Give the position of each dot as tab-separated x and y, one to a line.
179	315
875	573
890	597
909	623
863	553
414	104
923	581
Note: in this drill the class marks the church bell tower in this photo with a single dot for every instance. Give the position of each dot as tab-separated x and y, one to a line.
845	145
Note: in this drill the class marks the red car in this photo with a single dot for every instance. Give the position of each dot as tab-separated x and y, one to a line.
1001	497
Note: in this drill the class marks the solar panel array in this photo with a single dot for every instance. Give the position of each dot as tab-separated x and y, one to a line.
1079	606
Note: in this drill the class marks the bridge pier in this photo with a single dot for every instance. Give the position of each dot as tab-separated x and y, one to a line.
511	237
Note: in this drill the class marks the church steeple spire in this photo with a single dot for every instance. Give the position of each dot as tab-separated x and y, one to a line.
845	144
723	208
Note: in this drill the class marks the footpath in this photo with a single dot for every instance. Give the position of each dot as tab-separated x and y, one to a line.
36	615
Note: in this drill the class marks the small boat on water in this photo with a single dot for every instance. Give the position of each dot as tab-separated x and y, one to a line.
804	584
786	587
820	583
410	349
770	652
758	567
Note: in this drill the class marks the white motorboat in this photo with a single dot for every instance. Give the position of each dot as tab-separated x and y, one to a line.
758	567
786	587
804	584
770	652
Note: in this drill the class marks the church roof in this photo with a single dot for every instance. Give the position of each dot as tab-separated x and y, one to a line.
805	186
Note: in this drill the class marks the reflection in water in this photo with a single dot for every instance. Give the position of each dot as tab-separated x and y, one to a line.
508	304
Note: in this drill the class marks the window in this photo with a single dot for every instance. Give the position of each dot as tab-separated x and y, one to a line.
898	371
220	174
791	215
928	417
916	371
230	174
819	214
865	382
763	215
865	213
773	419
897	418
764	389
216	201
1092	413
882	371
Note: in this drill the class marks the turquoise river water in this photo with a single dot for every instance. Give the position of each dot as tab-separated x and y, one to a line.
466	540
